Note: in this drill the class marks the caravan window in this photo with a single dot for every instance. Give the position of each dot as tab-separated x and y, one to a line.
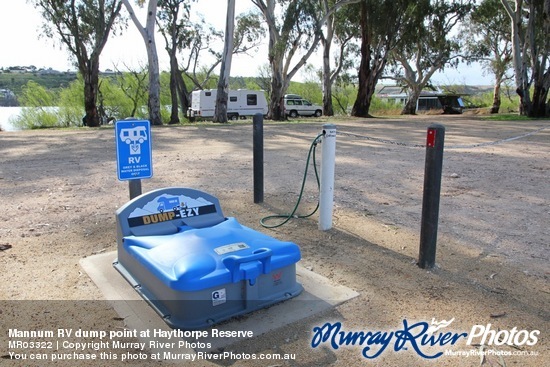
233	99
208	94
428	103
251	99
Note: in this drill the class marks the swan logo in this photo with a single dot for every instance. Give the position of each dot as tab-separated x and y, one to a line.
438	325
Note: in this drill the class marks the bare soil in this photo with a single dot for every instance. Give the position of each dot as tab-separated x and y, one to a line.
59	192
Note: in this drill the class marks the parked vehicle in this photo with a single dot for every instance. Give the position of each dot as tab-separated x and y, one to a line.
295	106
241	103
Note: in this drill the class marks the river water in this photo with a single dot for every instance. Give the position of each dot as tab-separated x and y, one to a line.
6	114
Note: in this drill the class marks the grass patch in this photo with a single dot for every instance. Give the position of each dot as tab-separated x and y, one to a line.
507	117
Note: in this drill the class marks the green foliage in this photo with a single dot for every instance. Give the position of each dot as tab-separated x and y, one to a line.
82	26
36	118
71	103
507	117
509	101
38	112
308	90
35	95
115	103
165	97
311	89
384	107
486	35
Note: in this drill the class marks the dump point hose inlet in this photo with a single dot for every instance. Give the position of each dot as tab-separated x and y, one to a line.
287	217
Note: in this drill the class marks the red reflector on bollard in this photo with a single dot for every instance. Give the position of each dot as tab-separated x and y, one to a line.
430	143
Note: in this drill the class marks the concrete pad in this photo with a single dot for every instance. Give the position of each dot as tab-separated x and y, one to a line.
319	295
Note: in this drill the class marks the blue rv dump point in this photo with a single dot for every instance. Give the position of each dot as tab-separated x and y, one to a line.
196	267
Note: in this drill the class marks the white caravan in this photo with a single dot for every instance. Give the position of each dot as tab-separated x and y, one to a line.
241	103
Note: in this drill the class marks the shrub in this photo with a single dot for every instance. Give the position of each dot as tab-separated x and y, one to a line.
38	111
384	107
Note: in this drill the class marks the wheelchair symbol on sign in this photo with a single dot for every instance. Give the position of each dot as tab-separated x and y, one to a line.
134	137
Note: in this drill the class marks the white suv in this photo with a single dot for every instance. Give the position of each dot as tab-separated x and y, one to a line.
297	106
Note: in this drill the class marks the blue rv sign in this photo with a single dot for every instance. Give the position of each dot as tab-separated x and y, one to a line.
133	149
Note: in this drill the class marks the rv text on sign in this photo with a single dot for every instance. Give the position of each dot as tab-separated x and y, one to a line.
133	149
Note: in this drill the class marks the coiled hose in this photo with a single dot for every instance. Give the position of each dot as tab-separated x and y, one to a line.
287	217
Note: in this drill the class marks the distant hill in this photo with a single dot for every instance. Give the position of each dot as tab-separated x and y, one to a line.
14	80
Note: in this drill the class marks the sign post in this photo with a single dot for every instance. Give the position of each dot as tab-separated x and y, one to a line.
133	153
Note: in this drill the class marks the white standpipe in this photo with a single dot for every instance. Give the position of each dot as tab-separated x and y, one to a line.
326	199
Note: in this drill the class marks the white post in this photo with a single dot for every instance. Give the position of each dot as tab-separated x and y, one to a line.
326	198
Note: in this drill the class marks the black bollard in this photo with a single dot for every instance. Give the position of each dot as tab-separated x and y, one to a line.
258	157
135	188
432	190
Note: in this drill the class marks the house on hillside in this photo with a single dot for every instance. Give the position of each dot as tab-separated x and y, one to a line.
7	98
48	71
450	103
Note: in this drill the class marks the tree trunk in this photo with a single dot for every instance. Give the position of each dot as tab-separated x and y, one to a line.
519	53
148	35
539	60
540	98
363	101
154	69
367	80
365	91
412	102
277	106
220	113
496	95
174	113
154	89
183	93
328	109
91	81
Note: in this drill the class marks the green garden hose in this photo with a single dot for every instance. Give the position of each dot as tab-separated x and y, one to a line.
287	217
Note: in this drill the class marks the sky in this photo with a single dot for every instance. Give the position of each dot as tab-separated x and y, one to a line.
21	45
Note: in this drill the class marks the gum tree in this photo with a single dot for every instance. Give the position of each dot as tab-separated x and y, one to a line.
242	35
379	23
426	45
337	32
83	26
486	33
147	32
203	39
294	28
531	47
220	112
175	27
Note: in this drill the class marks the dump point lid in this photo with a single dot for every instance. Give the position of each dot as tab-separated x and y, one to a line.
199	258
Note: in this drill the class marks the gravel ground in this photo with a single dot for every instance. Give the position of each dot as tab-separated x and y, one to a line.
59	193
